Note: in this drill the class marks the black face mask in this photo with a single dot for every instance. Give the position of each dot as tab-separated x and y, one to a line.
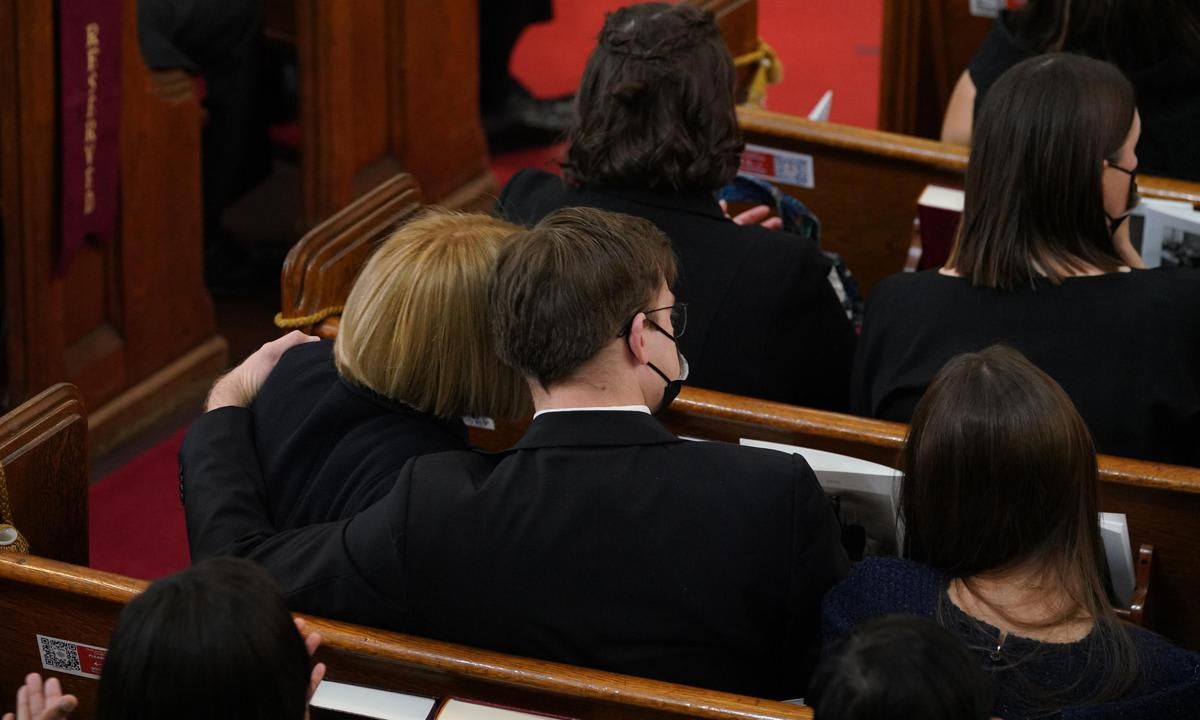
673	386
1114	223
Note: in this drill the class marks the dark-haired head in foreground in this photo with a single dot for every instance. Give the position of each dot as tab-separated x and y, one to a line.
900	666
213	641
655	107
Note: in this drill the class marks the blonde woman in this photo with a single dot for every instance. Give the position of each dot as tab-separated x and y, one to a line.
335	421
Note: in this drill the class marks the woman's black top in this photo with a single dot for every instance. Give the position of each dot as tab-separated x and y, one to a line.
1167	685
1124	346
328	447
1168	98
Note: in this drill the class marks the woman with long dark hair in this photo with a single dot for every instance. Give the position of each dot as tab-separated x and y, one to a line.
1001	536
1043	263
1155	43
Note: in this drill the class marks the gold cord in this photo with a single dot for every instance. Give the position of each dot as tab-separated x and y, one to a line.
19	544
306	320
768	71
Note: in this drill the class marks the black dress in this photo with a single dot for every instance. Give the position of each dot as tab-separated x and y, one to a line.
1124	346
1168	98
763	320
329	448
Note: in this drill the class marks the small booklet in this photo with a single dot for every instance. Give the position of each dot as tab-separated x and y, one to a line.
865	493
939	210
340	701
458	709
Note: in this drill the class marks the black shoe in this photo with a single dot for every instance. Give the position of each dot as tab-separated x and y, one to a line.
523	121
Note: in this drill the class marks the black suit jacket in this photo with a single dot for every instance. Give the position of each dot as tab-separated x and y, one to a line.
328	447
763	320
601	540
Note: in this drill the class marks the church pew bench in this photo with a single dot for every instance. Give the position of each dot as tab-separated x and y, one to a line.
1160	501
44	461
866	184
78	605
320	269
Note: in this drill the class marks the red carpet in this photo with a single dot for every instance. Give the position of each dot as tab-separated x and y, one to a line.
136	520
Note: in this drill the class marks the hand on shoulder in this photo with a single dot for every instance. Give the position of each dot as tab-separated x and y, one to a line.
239	386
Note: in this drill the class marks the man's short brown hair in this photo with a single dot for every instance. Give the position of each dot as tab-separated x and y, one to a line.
564	289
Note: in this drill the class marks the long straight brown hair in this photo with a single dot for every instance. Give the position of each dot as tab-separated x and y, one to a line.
1034	201
1000	472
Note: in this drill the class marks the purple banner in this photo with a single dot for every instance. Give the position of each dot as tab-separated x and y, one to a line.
90	100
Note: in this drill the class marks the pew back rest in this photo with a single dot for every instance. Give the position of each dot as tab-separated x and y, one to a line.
1161	502
866	184
43	450
320	269
62	601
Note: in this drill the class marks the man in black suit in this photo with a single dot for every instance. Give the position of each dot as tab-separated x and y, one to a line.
600	539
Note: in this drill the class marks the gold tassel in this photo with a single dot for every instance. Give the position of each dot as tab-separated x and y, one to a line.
768	71
11	539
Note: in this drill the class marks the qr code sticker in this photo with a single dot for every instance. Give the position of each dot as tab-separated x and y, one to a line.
59	654
64	656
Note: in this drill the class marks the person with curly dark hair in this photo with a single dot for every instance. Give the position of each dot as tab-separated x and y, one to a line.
655	135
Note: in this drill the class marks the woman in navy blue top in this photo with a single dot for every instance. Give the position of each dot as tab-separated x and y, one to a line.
999	504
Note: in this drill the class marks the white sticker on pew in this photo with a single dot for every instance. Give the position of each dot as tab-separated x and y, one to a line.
64	656
989	8
778	165
481	422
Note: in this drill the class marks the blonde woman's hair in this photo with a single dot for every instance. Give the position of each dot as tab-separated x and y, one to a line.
417	325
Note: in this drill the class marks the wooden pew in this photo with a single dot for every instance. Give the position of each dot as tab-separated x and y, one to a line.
129	322
386	86
67	602
866	184
1161	502
320	269
43	454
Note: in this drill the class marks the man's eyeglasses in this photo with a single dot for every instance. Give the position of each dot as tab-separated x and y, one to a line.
678	320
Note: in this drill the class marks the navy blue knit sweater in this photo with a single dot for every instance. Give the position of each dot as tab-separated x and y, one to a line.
1168	684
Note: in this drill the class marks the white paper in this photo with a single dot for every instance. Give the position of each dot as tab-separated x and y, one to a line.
868	492
1114	530
943	198
1161	217
370	703
461	710
820	111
